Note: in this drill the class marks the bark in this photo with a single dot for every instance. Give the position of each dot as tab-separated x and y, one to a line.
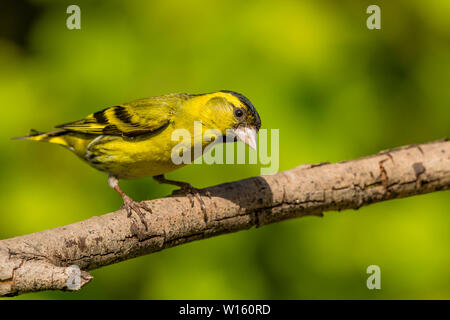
40	261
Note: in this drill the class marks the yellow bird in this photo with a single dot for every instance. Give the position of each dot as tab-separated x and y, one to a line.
135	139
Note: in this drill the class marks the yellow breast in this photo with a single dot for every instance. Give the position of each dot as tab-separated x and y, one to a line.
147	155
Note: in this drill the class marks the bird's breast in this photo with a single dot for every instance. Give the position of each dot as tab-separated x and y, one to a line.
144	156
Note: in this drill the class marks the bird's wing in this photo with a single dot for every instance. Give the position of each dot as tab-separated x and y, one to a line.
129	119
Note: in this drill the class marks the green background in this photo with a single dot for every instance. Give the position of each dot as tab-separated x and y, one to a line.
335	89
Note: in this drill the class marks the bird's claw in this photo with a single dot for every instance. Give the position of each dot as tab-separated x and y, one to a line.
130	205
207	193
193	193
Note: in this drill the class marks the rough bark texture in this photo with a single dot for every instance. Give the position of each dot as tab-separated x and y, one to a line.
40	261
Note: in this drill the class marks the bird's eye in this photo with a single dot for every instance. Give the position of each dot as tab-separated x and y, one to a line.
238	113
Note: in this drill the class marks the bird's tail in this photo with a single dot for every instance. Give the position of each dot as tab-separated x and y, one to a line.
56	137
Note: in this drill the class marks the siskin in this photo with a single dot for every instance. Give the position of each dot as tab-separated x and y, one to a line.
134	139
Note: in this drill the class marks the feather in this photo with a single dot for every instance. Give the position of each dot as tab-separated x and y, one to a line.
130	119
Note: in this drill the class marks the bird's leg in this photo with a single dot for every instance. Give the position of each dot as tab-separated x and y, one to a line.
191	192
128	203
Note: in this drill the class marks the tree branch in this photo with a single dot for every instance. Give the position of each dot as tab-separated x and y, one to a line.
40	261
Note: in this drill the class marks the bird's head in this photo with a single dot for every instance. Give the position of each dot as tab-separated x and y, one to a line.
235	116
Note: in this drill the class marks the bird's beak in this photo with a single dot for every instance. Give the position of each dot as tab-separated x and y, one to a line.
246	135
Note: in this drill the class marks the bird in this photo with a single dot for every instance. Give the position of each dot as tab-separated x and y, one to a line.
134	139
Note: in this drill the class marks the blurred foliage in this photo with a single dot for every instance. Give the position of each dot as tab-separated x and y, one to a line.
335	89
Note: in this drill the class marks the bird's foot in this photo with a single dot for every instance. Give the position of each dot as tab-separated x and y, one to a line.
192	192
130	205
